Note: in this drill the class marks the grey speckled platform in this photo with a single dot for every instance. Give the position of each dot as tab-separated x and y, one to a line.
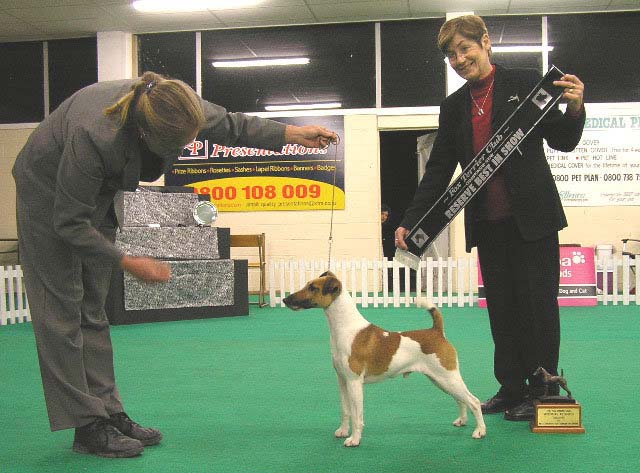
139	209
205	283
170	242
193	283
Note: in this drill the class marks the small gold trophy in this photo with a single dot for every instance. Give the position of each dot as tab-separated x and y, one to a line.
556	414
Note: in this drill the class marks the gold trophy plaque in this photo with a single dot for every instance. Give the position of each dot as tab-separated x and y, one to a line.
556	414
558	418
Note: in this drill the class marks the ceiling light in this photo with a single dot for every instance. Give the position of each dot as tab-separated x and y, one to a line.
521	49
167	6
302	106
285	61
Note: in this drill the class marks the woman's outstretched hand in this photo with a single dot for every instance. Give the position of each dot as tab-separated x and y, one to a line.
146	269
311	136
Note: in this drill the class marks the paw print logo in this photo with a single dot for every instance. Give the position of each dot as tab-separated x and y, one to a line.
577	257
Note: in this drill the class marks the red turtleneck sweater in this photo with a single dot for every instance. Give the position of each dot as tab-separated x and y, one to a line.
494	198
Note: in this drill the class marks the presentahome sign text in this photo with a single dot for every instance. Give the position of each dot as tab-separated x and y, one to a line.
476	174
240	178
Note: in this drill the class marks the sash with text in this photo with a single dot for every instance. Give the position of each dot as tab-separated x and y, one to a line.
484	165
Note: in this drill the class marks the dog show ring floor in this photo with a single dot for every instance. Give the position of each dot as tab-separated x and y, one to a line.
259	394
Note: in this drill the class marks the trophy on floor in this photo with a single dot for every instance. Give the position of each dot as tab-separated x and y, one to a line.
556	413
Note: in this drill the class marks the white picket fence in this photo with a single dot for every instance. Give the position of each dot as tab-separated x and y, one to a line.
380	283
447	282
14	307
619	267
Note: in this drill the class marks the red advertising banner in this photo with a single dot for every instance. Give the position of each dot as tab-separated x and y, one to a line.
577	278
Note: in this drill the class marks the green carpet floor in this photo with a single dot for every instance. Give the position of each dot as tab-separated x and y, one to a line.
258	394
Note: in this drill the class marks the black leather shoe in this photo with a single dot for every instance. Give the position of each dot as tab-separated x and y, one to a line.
102	439
124	424
499	403
522	412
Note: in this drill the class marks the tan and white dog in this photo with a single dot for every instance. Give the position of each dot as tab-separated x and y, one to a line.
364	353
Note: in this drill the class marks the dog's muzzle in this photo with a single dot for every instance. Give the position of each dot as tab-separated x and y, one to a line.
294	304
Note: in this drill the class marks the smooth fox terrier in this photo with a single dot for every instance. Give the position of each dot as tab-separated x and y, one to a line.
363	353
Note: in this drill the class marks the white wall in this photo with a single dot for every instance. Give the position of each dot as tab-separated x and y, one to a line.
356	229
12	139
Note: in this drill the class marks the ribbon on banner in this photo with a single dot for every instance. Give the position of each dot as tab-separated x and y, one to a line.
484	165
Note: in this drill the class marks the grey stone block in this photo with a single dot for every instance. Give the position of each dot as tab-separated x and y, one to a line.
142	208
194	283
199	243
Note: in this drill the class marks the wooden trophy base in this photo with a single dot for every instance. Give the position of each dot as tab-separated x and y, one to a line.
564	416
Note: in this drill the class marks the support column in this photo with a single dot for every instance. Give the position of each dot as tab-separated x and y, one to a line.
115	55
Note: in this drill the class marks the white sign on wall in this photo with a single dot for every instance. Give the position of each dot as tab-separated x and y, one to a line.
604	169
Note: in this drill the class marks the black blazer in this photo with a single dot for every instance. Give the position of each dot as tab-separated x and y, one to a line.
533	195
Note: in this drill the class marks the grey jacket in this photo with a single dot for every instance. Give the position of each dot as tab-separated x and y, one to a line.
78	158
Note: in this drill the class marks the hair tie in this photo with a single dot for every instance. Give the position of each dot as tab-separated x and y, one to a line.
150	86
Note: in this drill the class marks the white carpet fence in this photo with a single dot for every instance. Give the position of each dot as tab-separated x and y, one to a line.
378	283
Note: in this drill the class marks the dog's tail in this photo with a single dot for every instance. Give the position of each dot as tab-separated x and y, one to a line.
436	315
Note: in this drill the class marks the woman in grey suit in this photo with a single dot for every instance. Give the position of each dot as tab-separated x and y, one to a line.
105	138
514	220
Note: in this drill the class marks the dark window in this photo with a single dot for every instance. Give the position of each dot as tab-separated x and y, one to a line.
169	54
515	31
341	68
413	68
73	64
602	50
21	91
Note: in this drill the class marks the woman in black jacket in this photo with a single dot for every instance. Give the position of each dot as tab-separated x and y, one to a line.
514	220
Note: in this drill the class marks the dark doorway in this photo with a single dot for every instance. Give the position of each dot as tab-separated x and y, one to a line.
399	179
398	170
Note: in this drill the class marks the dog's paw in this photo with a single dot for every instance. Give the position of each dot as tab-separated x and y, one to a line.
479	432
460	421
342	432
352	442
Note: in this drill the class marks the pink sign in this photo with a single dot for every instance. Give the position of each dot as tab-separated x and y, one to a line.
577	278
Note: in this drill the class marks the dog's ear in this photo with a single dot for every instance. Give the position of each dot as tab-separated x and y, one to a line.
332	285
327	273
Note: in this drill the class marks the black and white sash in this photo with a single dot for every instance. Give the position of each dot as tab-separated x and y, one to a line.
484	165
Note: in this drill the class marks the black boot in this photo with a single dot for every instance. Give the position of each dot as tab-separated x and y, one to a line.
525	411
124	424
501	402
102	439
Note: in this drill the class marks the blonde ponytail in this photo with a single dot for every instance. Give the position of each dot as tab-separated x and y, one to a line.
167	109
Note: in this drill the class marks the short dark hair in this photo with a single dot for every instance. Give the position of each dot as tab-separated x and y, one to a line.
469	26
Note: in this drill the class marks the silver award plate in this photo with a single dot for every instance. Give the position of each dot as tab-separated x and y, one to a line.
205	213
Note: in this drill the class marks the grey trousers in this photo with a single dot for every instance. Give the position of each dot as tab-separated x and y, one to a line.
66	296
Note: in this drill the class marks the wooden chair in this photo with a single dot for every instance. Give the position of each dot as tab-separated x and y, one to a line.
9	247
255	241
